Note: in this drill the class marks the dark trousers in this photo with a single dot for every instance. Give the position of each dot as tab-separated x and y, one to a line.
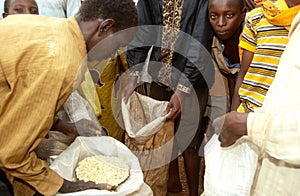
5	186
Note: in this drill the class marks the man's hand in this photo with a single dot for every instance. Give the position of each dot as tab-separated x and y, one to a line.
175	105
82	127
89	128
129	88
66	127
69	187
230	127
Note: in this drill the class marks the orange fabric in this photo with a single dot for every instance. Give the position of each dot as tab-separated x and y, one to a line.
109	93
278	13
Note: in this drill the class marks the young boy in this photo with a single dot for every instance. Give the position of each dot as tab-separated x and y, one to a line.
226	18
20	7
263	39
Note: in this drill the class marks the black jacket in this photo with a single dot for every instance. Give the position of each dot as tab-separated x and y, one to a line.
191	59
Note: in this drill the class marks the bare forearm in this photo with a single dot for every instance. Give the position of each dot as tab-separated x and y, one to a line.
245	64
235	97
65	127
69	187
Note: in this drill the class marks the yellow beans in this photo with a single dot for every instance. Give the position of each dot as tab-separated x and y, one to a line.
103	169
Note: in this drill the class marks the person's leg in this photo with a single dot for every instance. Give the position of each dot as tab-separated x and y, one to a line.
163	93
174	184
192	168
190	154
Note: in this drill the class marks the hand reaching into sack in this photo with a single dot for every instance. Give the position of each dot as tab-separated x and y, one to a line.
57	141
90	128
69	187
82	127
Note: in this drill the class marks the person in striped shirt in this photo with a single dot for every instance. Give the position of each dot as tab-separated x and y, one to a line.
264	38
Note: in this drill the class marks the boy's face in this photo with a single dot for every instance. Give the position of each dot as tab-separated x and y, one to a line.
23	7
225	17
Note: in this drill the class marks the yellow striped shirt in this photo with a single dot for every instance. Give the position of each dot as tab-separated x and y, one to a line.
267	41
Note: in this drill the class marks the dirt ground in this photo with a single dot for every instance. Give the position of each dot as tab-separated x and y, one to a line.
185	191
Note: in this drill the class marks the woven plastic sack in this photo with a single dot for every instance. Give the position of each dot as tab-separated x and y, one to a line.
150	137
229	171
83	147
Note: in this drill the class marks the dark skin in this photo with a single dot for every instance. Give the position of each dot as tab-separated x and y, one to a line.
231	127
81	186
84	127
246	61
232	53
292	3
21	7
226	19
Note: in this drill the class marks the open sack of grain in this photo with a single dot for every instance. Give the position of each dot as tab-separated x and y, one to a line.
150	137
101	150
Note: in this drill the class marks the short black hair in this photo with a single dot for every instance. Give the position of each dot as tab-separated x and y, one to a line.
242	5
6	6
123	12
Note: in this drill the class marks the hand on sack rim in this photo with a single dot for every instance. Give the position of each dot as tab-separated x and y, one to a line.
175	105
230	127
129	88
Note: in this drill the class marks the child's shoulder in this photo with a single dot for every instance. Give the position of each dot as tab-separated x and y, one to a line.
255	18
256	13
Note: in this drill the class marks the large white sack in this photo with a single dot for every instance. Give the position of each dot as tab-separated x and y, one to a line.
84	147
229	171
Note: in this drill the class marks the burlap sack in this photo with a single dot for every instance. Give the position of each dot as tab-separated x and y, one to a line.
153	149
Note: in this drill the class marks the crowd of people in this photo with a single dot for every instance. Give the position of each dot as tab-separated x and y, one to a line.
48	63
225	66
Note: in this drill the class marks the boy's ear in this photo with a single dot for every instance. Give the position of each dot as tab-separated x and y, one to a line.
4	14
106	26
